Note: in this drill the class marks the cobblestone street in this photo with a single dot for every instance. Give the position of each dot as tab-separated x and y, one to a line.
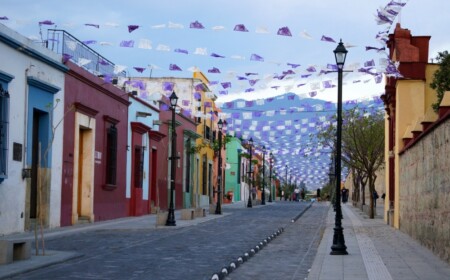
196	251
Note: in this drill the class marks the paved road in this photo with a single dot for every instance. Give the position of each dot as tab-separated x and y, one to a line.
197	251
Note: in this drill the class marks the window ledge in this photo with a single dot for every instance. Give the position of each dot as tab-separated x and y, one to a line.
108	187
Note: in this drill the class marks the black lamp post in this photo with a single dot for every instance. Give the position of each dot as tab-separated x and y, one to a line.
338	247
263	196
173	167
219	177
250	172
270	176
286	179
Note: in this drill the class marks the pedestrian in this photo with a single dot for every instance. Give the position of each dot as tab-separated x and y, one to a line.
296	194
375	197
383	196
253	193
344	195
318	195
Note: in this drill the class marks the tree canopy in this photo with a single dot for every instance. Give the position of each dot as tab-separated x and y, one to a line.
441	78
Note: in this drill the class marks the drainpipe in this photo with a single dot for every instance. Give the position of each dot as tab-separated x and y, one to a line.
25	172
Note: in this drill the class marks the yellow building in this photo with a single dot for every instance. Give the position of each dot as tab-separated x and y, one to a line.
204	159
408	107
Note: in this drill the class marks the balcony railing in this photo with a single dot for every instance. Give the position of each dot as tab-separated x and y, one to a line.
62	42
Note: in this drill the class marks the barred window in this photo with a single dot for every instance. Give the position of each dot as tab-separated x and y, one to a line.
4	121
138	166
111	155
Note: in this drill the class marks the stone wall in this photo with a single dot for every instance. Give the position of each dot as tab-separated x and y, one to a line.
425	190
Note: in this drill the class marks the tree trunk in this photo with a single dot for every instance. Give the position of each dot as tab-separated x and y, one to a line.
371	190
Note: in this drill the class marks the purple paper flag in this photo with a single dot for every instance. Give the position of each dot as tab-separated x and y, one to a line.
131	28
139	69
368	48
378	78
138	84
248	103
288	72
356	81
103	62
332	67
226	85
217	55
393	3
207	104
89	42
291	97
200	87
229	105
305	75
214	70
369	63
213	83
92	24
127	44
185	103
240	27
256	57
174	67
300	85
253	82
181	51
249	90
167	86
164	107
223	92
4	18
284	31
66	57
240	78
198	96
312	93
311	69
196	25
250	74
46	22
327	39
327	84
293	65
275	87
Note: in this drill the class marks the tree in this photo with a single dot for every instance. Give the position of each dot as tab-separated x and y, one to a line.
362	145
441	78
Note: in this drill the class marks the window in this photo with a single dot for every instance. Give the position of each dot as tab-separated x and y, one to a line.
138	166
204	176
111	155
187	170
207	133
4	120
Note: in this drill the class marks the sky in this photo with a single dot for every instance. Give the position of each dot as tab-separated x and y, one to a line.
162	36
352	21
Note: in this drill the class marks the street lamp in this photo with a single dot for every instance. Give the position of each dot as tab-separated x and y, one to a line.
220	125
249	203
338	247
286	188
263	196
270	176
171	215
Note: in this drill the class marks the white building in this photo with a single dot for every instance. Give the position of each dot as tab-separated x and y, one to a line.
31	133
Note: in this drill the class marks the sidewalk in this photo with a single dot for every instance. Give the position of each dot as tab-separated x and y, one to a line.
375	251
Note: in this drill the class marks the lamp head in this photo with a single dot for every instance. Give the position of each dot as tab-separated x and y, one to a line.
173	100
220	124
340	53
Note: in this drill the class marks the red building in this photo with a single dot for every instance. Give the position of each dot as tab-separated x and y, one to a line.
94	149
